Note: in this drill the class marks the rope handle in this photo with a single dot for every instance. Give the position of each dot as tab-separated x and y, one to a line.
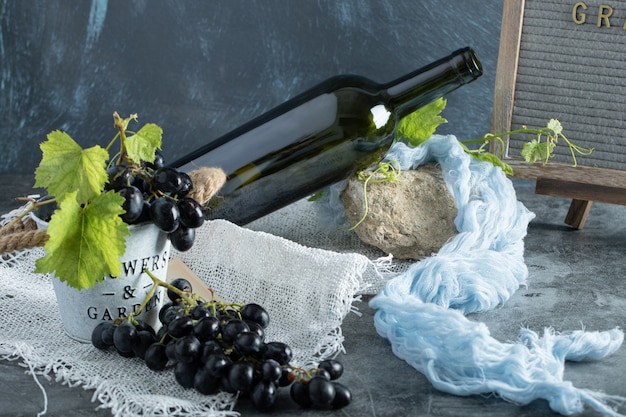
24	235
21	236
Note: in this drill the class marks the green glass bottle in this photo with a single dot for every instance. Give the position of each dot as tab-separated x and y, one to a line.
322	136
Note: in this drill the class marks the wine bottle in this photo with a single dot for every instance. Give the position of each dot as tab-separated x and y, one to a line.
320	137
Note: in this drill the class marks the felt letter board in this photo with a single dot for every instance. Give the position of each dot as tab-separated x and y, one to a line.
566	59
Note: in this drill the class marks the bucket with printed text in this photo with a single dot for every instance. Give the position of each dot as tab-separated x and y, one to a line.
147	247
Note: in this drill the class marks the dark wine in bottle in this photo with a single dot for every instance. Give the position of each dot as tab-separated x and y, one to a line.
343	125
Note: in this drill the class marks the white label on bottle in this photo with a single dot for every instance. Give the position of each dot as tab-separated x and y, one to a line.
381	115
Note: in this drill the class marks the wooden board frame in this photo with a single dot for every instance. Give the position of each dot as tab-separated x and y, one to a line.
582	184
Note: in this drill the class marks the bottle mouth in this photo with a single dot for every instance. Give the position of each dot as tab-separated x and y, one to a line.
468	63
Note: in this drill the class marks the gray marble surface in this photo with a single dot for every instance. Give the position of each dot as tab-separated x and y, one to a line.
576	279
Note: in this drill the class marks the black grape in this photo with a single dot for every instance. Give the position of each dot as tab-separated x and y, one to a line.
164	213
169	313
214	345
170	351
155	357
185	374
248	343
142	184
200	311
232	329
299	393
264	395
286	376
321	391
323	373
225	385
180	326
182	238
132	205
209	348
343	396
205	383
96	335
142	325
256	328
187	349
125	354
144	340
159	161
119	176
144	217
191	214
186	184
167	180
180	283
241	376
271	371
278	351
124	336
207	328
107	334
217	364
211	345
256	313
333	367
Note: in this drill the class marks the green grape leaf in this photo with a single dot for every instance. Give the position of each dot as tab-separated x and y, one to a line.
534	151
489	157
420	125
555	126
142	145
316	196
86	241
482	155
65	167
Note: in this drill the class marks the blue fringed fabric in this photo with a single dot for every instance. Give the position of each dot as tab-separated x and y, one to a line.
422	311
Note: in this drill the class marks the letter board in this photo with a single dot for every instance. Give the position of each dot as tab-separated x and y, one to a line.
566	59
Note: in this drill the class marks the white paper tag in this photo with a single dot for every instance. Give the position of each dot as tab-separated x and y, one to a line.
178	269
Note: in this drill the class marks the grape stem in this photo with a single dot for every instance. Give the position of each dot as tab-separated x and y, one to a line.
189	299
31	205
553	131
121	125
182	294
390	172
159	283
300	374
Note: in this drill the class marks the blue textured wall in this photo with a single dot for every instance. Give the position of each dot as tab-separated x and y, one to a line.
201	68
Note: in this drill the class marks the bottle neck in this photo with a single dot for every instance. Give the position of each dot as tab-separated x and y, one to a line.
414	90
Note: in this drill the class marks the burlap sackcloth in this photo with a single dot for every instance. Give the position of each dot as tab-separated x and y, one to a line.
307	292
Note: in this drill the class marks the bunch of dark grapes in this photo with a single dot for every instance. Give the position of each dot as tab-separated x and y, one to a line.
155	193
216	346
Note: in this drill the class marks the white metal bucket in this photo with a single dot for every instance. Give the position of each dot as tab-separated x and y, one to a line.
81	310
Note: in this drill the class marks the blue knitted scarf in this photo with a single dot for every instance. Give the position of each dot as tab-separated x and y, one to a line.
422	311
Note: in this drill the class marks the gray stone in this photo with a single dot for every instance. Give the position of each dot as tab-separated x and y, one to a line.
410	218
